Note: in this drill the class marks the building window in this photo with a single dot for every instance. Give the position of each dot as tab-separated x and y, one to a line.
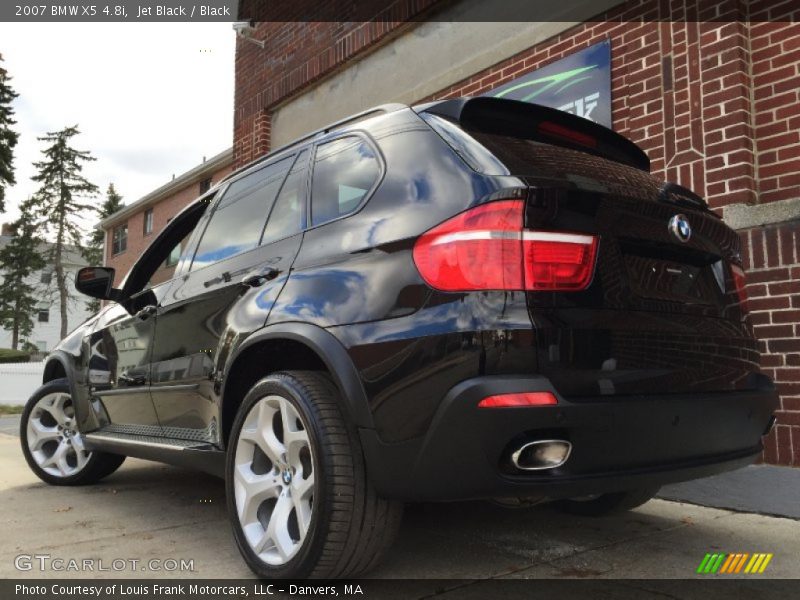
44	316
205	185
119	239
148	222
46	278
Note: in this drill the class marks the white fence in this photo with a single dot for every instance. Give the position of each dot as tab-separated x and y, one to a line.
19	380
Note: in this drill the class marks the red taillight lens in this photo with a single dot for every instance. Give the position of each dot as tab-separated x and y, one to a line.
558	261
524	399
480	249
485	248
740	284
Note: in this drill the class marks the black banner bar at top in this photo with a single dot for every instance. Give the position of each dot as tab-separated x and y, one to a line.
393	11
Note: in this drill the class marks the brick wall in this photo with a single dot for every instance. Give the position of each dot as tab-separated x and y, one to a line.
295	55
711	95
772	260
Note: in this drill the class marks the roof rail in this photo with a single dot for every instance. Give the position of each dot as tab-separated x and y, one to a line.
370	112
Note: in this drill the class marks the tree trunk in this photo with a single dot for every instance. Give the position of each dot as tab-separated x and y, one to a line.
61	282
15	328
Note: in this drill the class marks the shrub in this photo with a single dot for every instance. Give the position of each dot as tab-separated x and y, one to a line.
13	356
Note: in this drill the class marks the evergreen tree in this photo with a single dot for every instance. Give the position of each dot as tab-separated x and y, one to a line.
20	259
113	202
94	250
60	205
8	138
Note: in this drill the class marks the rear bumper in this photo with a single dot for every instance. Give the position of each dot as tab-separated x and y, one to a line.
617	443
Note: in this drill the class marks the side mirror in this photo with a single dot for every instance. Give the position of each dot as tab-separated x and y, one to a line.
96	282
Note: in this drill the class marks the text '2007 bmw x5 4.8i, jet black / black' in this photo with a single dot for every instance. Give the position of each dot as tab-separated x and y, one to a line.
473	298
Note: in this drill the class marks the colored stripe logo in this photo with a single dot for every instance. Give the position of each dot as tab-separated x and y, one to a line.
741	562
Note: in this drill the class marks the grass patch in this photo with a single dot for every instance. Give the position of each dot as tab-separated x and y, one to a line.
9	409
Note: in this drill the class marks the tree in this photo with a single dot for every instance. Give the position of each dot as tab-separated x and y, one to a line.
59	203
8	138
20	259
94	250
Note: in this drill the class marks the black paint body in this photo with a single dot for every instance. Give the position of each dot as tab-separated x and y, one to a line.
654	364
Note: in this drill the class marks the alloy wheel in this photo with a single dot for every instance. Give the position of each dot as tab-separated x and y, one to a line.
53	437
273	479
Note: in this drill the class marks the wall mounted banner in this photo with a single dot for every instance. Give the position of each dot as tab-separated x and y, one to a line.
579	83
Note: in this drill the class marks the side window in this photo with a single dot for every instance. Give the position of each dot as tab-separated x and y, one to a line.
166	270
344	172
287	216
238	219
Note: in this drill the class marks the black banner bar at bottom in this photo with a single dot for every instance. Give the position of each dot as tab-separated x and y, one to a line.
466	589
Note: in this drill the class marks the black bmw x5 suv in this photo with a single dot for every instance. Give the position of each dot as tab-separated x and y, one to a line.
473	298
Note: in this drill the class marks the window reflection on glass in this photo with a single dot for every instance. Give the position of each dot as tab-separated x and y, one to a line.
287	217
238	220
344	172
167	269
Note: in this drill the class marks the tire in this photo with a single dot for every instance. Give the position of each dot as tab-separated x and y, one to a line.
48	428
340	528
606	504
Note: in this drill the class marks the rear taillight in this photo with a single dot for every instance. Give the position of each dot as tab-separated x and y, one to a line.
740	285
558	261
486	248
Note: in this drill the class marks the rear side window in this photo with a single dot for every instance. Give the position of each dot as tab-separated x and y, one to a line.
239	218
495	154
345	170
466	146
585	171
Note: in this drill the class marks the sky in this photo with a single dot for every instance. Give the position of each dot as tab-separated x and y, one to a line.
150	99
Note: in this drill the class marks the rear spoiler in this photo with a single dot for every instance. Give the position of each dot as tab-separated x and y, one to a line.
540	123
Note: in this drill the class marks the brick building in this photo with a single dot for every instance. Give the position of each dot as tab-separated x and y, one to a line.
710	91
130	230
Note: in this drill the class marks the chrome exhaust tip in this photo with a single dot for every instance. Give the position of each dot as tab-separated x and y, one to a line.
541	454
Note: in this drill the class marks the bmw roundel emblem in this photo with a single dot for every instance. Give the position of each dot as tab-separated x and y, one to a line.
680	228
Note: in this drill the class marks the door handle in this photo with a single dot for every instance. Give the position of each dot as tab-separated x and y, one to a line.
136	380
260	278
147	312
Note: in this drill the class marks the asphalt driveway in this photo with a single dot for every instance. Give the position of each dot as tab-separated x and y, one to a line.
147	510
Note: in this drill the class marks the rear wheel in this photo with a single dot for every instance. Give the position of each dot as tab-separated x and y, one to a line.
298	495
52	444
606	504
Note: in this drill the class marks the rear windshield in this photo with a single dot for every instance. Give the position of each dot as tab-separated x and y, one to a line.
492	154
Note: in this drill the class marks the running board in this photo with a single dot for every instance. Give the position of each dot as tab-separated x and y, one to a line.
182	453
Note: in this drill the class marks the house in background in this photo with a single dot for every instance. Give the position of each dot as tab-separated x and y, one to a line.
129	231
47	320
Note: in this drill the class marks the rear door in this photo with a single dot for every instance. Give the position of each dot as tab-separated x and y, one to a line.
239	266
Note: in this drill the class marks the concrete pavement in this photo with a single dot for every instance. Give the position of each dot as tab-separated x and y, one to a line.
147	510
